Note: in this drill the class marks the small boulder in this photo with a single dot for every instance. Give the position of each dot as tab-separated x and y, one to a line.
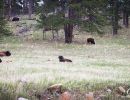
21	98
65	96
121	90
109	91
128	91
89	96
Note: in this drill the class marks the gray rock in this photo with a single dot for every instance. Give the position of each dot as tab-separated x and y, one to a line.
121	90
21	98
109	91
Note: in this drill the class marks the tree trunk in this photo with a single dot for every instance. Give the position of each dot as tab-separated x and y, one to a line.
115	17
1	9
33	6
25	8
14	8
125	18
68	28
30	9
9	10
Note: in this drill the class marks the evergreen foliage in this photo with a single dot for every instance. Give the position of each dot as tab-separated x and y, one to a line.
3	27
88	14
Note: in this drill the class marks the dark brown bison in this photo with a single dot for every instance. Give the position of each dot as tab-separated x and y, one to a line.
62	59
15	19
5	53
0	60
90	41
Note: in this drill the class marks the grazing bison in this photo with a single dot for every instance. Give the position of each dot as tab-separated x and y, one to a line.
90	41
62	59
5	53
15	19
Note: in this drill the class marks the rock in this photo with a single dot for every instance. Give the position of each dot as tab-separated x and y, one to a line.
121	90
21	98
128	91
109	91
89	96
65	96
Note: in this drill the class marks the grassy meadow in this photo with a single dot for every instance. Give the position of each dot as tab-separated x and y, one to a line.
35	62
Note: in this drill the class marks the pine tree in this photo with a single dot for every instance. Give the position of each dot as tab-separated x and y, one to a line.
115	17
87	14
3	28
125	8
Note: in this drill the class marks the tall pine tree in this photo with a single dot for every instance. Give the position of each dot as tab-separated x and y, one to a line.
87	14
3	28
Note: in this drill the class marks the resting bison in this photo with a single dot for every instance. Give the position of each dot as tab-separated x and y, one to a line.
90	41
62	59
5	53
15	19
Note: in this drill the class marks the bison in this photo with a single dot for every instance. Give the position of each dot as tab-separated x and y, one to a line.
62	59
90	41
5	53
0	60
15	19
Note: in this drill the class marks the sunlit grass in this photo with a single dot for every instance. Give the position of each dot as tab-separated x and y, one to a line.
36	62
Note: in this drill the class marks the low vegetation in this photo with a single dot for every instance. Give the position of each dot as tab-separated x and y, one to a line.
35	63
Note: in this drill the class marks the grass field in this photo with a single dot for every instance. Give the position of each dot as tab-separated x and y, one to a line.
36	62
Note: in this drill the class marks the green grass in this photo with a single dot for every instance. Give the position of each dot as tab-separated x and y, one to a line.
36	61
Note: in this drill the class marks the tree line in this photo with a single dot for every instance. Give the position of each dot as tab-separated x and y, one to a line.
88	15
